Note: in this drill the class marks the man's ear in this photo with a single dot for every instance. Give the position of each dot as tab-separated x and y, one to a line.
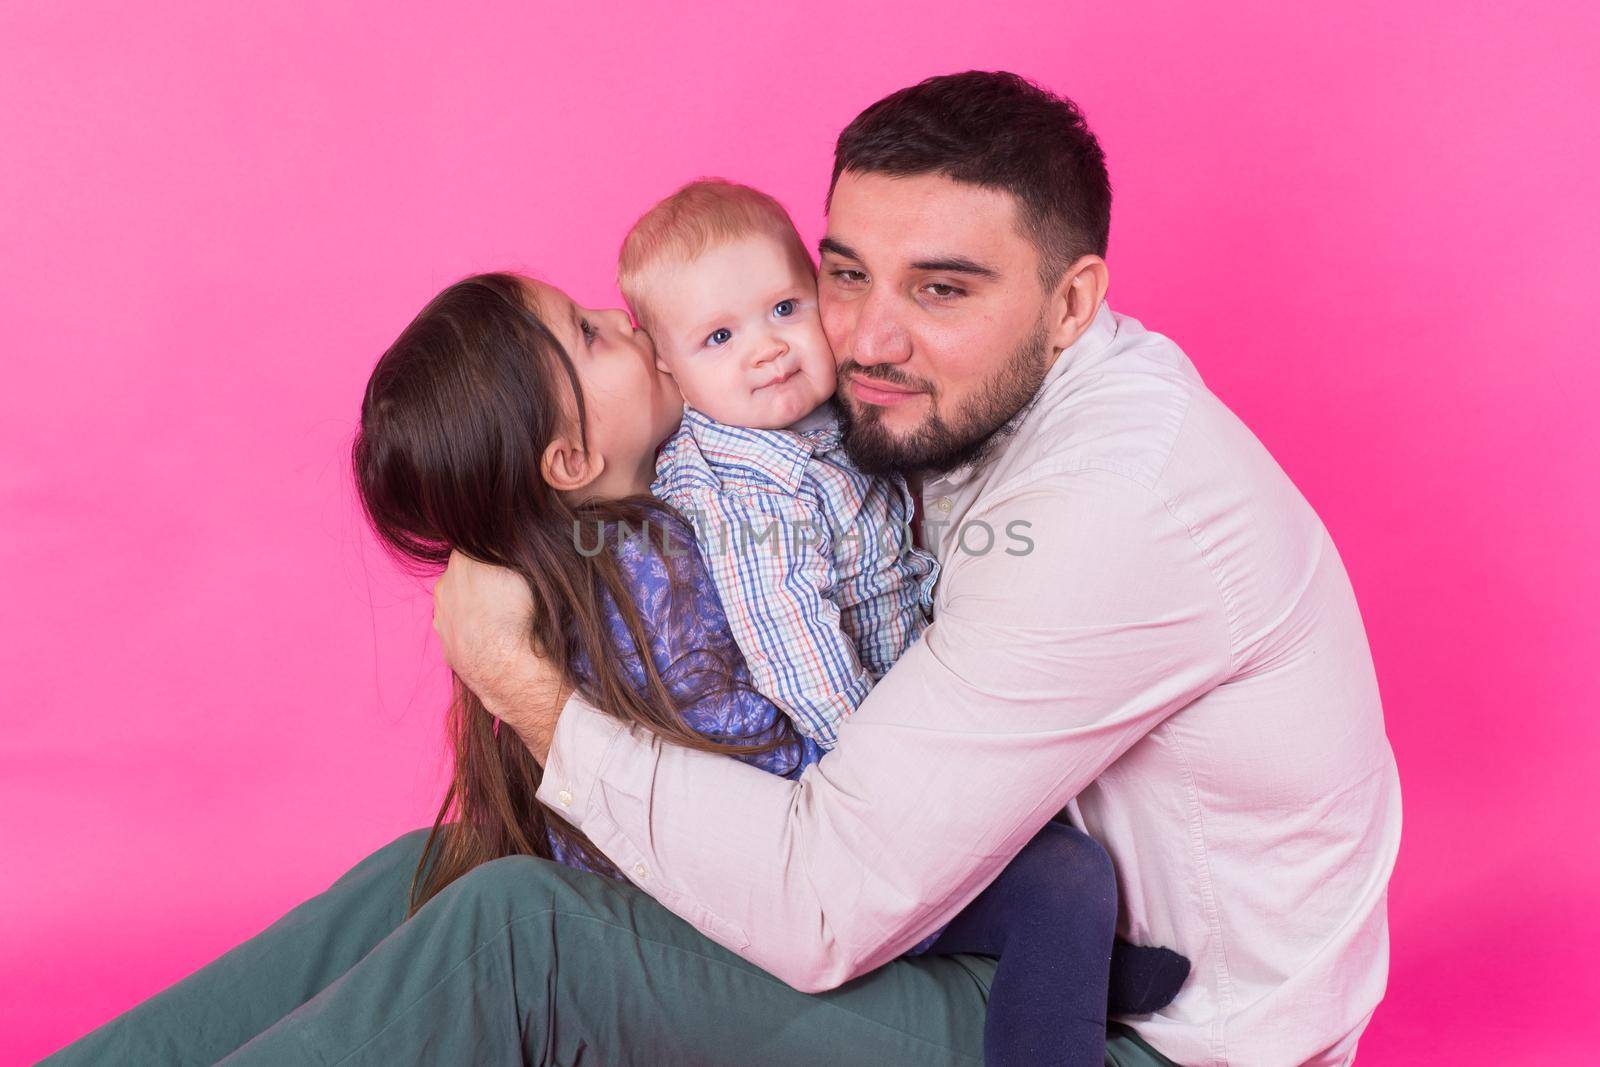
567	465
1077	299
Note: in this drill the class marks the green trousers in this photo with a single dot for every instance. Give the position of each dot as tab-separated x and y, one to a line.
526	961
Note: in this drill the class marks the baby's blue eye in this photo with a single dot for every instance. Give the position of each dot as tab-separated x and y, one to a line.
784	309
720	337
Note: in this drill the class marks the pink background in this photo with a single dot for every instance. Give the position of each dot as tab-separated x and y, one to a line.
1372	228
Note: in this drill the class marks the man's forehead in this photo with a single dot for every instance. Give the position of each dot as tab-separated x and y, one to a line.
922	216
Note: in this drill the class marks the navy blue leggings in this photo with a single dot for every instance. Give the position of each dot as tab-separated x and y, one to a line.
1051	918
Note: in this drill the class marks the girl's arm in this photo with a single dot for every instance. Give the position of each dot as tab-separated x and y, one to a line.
694	652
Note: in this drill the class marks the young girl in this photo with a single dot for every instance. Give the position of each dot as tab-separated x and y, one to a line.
511	425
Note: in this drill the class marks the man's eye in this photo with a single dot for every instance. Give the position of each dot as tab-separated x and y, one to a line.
940	290
852	277
783	308
589	332
719	337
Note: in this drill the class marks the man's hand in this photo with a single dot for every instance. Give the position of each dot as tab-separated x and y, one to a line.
483	616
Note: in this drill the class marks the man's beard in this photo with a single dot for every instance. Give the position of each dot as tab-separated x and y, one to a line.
938	446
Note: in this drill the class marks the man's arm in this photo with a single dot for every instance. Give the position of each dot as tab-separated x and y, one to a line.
1039	671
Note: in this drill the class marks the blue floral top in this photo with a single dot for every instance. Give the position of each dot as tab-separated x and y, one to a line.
694	653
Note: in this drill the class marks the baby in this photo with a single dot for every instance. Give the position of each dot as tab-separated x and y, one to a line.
812	559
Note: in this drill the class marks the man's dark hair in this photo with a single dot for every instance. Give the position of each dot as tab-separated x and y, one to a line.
999	130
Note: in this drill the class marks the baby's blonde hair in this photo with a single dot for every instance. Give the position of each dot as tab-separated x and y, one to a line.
702	215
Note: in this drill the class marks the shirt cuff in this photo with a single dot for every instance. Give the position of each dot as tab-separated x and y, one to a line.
583	738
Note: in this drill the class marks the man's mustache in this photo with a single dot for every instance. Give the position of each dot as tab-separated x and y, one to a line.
888	375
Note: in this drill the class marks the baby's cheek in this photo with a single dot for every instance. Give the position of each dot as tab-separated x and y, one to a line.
698	387
825	372
818	351
722	388
719	398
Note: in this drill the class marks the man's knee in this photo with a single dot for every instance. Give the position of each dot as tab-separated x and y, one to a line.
516	885
409	843
399	857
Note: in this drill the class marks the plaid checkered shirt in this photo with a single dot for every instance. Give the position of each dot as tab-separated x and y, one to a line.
812	559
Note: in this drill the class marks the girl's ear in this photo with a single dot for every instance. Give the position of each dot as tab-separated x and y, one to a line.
567	465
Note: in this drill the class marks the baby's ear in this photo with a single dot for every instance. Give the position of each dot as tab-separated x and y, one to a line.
567	465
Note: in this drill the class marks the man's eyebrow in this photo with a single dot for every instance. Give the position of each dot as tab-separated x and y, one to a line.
956	265
948	264
838	248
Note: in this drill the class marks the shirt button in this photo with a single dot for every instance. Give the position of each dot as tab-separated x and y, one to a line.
944	503
565	798
640	870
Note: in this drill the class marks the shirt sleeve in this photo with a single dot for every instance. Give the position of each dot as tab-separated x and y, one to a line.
1039	670
770	559
885	607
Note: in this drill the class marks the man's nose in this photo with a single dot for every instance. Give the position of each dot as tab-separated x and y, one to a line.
879	336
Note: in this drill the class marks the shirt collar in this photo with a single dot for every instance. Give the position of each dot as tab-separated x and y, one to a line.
822	420
1087	349
780	455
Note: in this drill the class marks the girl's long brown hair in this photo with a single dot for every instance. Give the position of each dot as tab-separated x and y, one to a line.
456	418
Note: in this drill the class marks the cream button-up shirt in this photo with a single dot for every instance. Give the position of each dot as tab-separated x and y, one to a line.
1139	620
